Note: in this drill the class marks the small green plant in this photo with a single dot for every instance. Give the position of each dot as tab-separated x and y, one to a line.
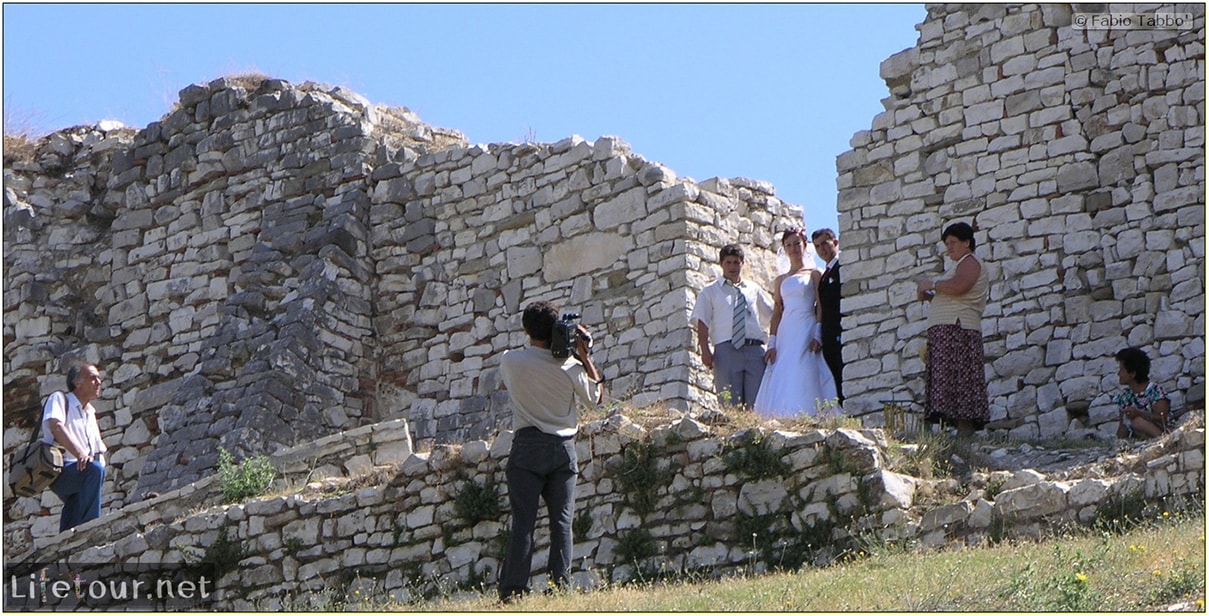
773	540
475	503
999	527
224	554
750	456
293	546
1182	581
994	487
1122	511
640	478
929	457
503	538
581	525
1070	582
839	464
636	546
245	480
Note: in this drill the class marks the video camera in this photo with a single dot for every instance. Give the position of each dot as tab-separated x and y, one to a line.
565	336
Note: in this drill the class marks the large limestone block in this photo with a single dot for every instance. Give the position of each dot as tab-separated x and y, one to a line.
946	516
1077	176
762	497
893	489
580	255
624	208
1040	499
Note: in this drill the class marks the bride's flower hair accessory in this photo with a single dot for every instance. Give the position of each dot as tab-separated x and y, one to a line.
798	231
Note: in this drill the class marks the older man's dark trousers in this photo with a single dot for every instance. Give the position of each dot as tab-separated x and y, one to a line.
80	491
540	465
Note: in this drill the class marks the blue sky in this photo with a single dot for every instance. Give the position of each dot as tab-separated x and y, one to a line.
771	92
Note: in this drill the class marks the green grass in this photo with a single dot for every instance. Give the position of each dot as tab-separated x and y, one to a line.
1157	564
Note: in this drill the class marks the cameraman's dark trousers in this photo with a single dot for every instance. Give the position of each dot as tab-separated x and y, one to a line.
540	465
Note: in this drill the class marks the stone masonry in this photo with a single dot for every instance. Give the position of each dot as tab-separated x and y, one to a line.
271	263
1080	155
396	531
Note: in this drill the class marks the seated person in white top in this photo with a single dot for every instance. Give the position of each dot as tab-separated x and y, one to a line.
727	305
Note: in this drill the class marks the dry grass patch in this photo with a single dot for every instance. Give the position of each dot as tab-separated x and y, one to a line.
725	422
18	149
1154	567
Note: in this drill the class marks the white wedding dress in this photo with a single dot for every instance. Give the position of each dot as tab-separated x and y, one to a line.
798	382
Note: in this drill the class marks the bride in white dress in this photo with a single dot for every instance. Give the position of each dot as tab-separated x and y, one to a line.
796	381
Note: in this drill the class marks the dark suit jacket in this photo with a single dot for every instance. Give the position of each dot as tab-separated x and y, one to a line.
829	296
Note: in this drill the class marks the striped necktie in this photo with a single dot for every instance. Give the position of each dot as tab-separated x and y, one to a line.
738	324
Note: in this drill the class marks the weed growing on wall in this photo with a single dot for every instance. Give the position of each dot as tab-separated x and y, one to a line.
772	539
750	456
994	487
640	478
1121	511
224	554
245	480
294	545
477	502
635	546
581	525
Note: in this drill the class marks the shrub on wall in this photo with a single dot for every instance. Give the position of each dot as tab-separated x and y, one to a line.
250	478
750	456
640	477
477	502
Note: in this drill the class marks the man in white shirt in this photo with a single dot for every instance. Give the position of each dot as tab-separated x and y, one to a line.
71	421
546	393
732	316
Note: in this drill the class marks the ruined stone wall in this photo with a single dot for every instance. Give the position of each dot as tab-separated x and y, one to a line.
1080	155
213	272
271	263
590	226
710	503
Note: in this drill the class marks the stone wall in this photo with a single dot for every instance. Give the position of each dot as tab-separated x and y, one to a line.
712	502
591	226
272	263
1080	155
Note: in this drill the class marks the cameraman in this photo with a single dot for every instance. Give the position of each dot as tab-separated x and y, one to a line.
542	463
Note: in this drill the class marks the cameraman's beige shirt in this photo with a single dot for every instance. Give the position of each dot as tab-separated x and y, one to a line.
544	389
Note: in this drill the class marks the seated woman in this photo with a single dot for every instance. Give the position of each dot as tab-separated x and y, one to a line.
1144	405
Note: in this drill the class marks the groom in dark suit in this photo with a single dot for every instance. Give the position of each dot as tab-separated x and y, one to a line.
828	247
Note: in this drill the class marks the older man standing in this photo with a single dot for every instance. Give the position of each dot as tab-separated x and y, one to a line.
732	314
71	421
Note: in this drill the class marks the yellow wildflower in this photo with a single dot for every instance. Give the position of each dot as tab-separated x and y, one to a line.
1157	572
1080	578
